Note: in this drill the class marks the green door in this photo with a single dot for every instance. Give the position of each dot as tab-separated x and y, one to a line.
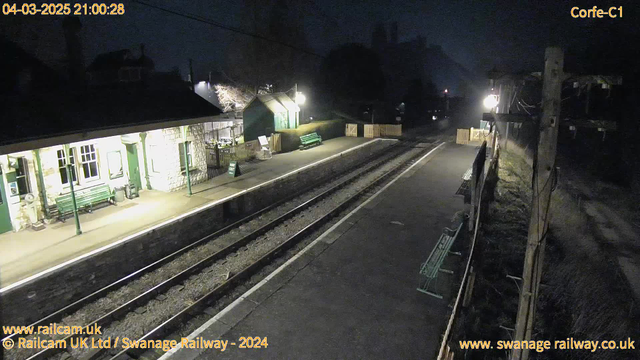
5	219
134	167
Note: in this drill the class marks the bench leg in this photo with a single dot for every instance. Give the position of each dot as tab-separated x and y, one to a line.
430	293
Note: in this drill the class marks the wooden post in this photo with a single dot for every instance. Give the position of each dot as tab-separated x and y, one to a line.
506	137
472	187
542	186
191	79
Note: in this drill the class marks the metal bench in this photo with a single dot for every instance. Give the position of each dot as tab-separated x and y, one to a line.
433	266
310	140
85	199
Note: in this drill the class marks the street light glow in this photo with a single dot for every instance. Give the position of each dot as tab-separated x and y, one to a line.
300	98
490	101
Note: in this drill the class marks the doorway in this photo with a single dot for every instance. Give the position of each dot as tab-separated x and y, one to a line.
134	167
5	218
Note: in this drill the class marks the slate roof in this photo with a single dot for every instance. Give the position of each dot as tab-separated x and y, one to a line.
118	59
277	102
64	112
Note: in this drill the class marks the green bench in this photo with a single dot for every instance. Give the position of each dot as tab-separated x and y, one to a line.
310	140
85	199
433	266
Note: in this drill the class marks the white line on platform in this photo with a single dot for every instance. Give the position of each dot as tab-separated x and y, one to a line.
257	286
174	219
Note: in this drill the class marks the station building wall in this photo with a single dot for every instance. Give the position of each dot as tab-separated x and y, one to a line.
111	164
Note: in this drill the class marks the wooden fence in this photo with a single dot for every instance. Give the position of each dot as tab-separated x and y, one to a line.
371	130
465	136
378	130
351	130
462	136
240	152
479	208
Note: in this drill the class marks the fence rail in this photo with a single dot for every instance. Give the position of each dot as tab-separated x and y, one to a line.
479	176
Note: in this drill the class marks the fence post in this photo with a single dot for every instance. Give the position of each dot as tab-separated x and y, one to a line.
544	168
217	152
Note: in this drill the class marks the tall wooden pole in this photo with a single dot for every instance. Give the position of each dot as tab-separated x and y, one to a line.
543	181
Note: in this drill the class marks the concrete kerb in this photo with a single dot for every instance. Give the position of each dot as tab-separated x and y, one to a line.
28	300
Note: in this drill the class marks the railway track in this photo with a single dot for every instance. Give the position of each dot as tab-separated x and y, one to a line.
163	325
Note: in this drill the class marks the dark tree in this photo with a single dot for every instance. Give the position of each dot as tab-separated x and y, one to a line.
257	62
352	73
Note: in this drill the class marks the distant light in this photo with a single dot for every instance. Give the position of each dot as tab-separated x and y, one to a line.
446	91
490	101
434	117
310	117
300	98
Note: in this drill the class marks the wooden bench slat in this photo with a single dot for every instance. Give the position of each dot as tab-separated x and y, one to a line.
84	198
432	266
310	139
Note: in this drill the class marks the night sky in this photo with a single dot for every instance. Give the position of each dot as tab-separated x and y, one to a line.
478	34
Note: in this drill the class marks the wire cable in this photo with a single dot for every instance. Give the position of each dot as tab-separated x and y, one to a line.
226	27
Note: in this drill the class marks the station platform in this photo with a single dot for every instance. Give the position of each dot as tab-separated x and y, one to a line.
28	253
351	294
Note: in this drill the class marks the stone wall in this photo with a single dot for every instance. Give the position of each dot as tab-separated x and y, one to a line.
43	295
164	165
162	146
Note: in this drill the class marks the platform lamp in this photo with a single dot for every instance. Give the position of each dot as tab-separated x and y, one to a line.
185	144
73	193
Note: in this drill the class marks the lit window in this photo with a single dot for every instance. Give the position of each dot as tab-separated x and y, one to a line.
62	166
22	176
89	162
114	161
181	149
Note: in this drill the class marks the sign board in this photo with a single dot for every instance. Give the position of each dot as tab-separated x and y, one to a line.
234	169
13	189
263	140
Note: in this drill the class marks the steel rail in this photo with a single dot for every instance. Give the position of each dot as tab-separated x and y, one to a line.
151	293
199	305
76	305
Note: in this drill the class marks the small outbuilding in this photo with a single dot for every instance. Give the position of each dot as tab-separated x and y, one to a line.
269	113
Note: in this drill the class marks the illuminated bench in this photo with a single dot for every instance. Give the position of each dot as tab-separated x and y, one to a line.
433	266
85	199
310	140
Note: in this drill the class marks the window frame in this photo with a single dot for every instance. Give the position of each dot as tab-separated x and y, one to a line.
74	166
88	158
121	172
22	173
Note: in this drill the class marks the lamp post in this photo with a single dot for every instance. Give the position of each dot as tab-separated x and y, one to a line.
299	99
73	194
185	144
490	102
